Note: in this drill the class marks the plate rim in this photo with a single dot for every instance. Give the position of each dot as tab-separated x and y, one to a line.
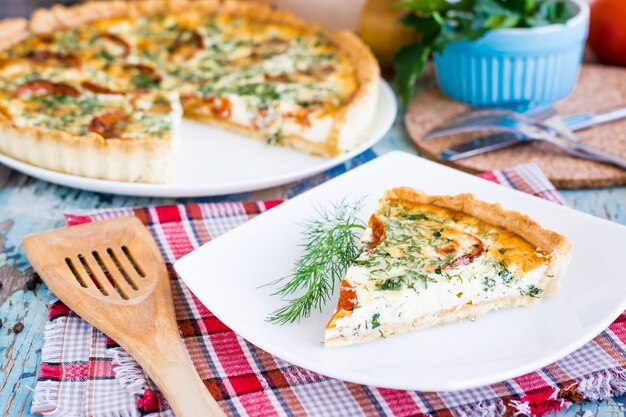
360	378
203	190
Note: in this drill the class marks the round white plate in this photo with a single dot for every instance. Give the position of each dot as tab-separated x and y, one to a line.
213	161
227	275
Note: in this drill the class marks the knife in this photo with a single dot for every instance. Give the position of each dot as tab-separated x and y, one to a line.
480	145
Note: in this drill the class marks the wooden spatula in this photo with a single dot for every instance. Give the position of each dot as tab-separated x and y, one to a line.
111	274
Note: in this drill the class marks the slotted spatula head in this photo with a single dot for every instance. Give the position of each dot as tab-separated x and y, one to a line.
110	267
111	273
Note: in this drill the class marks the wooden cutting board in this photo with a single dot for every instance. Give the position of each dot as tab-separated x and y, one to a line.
599	88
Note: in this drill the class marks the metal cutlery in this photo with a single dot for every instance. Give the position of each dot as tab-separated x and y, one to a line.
488	119
472	120
489	143
545	125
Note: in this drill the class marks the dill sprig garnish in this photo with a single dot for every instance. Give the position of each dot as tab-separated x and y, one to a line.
331	245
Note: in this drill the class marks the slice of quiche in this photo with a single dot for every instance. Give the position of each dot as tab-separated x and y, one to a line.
434	260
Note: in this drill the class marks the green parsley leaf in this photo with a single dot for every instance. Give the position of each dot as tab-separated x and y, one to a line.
427	6
410	61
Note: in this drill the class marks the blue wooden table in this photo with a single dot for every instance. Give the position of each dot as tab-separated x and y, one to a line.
28	205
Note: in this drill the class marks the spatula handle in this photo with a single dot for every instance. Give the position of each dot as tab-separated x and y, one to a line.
172	371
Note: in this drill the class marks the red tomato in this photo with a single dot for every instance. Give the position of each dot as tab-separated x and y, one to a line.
607	31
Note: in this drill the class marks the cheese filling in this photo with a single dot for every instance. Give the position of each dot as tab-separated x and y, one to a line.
430	260
277	80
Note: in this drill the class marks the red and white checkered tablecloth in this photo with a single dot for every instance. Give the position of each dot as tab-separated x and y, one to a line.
83	373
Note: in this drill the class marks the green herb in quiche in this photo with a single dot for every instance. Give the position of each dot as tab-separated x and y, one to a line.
375	320
390	284
106	56
274	139
144	81
331	245
266	92
68	41
414	216
441	22
488	283
531	291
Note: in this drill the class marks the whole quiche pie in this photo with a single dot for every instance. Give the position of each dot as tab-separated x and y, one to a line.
99	89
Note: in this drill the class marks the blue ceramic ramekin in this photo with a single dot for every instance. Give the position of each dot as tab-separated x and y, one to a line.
516	67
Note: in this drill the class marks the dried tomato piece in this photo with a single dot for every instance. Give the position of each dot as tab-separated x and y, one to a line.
347	296
145	69
186	44
220	107
42	88
347	302
273	46
118	41
46	38
160	105
281	78
5	62
264	118
189	37
98	89
379	231
303	119
303	114
146	76
4	112
109	125
474	250
40	56
465	259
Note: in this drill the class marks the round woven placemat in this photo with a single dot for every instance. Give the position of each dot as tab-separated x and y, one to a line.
599	88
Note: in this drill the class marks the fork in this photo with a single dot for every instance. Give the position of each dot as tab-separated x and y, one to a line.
486	119
530	129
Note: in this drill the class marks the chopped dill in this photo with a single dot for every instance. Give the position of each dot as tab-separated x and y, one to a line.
531	291
375	320
274	139
488	283
390	284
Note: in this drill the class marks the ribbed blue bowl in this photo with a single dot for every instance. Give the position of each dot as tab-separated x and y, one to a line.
516	67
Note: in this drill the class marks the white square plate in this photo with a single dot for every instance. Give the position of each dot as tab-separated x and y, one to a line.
226	275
